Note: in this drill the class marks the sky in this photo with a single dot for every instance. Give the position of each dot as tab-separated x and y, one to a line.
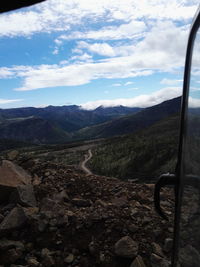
92	53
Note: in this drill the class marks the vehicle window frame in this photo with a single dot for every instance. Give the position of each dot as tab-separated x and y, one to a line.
183	128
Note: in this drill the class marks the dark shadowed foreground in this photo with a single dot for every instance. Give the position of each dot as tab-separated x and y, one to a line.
60	216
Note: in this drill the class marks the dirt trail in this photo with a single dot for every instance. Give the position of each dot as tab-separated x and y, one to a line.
83	163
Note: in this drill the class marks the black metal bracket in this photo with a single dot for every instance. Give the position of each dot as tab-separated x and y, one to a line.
164	179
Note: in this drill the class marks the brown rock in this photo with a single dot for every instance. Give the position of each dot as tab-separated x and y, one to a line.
6	244
126	247
138	262
24	195
32	262
157	249
11	176
14	220
12	154
69	258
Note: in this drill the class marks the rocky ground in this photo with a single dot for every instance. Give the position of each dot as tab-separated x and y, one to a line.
55	215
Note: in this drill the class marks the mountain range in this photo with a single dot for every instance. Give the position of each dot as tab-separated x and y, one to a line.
55	124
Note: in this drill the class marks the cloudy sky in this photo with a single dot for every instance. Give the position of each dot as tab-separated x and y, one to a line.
91	52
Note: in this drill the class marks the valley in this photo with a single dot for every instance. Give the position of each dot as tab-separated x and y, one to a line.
83	197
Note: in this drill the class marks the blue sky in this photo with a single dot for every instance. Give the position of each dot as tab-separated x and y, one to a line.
91	52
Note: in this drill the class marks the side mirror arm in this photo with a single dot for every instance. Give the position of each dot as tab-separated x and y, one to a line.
164	179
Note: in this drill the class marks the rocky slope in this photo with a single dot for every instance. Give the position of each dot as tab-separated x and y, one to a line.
67	218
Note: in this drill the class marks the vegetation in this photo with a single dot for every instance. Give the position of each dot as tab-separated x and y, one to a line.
144	155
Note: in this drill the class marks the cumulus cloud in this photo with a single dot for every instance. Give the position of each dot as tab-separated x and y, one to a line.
83	57
60	15
157	52
103	49
142	101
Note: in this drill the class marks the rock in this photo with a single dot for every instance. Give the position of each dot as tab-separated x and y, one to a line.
61	197
132	228
24	195
47	258
12	154
189	256
157	249
6	244
69	258
168	244
126	247
157	261
80	202
92	248
48	261
32	262
138	262
101	203
14	220
10	256
1	218
45	252
11	176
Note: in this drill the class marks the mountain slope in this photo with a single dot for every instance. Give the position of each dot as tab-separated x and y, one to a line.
146	153
132	123
68	118
31	129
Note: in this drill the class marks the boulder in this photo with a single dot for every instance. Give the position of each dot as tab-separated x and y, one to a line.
24	195
12	154
6	244
126	247
138	262
11	176
14	220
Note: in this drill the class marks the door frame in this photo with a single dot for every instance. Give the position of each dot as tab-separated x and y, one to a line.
182	136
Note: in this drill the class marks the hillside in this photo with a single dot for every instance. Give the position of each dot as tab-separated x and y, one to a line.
67	218
70	123
52	124
68	118
132	123
143	155
31	129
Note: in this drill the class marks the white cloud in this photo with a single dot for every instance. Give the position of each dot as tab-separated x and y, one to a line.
142	101
5	73
124	31
194	102
61	15
58	42
155	53
9	101
122	84
128	83
103	49
43	76
170	81
83	57
55	51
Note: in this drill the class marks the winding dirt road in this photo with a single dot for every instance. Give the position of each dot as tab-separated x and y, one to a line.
83	163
